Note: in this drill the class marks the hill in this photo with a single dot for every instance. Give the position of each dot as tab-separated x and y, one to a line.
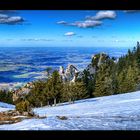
116	112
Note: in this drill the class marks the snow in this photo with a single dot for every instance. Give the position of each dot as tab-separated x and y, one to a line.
116	112
108	105
6	107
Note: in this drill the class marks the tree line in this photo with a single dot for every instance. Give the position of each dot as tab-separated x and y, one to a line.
52	91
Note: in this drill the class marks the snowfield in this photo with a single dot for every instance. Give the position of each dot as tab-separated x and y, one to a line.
116	112
6	107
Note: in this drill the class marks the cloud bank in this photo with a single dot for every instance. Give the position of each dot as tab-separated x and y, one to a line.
92	21
5	18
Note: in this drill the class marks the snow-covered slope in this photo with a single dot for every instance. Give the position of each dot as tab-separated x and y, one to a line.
117	112
5	107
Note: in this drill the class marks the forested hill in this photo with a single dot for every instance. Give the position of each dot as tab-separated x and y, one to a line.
122	76
104	76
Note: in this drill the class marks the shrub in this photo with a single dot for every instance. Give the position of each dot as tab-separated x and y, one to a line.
23	106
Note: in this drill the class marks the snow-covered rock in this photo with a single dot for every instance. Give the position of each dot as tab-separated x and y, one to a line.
70	74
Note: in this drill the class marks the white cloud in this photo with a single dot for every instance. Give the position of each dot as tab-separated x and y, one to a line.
87	23
69	34
103	15
14	19
82	24
5	19
3	16
62	22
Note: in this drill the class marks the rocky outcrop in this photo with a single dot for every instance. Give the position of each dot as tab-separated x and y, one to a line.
70	74
22	91
14	116
91	69
62	73
100	59
11	116
97	60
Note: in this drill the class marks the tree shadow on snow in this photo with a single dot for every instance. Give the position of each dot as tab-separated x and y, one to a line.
78	102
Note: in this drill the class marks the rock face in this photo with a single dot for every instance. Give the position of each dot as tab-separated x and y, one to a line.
22	91
70	74
62	73
91	69
97	60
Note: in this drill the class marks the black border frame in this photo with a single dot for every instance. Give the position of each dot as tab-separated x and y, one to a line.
69	5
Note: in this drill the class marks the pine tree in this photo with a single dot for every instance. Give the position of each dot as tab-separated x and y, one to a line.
121	81
104	80
74	91
127	79
67	93
56	86
89	80
80	91
100	83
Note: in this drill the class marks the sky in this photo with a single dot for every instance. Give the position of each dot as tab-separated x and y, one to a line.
69	28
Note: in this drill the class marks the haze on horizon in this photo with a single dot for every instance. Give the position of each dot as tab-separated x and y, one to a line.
69	28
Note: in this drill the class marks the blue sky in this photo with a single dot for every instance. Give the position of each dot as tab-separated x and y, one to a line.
69	28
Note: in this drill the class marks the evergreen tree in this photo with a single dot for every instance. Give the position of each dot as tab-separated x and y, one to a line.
56	86
74	91
89	80
104	80
128	79
36	96
67	93
80	91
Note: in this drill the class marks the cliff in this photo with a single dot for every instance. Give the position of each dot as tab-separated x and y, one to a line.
70	74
